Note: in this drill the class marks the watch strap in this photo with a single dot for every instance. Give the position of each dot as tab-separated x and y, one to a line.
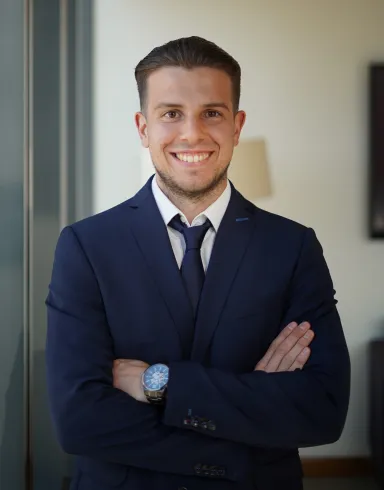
155	397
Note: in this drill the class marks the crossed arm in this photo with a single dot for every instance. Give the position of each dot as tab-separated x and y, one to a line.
95	418
288	352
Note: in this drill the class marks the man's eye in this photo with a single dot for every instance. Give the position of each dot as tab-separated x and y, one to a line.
212	113
171	114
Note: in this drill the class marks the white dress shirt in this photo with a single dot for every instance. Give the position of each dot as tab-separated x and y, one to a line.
214	213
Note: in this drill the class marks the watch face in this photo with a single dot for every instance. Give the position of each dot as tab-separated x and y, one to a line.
156	377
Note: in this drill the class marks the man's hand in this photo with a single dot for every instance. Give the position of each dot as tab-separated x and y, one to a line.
127	375
289	351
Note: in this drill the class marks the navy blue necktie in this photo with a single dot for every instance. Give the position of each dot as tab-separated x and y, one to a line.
192	270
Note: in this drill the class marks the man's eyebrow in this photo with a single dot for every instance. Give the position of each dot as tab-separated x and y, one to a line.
223	105
169	105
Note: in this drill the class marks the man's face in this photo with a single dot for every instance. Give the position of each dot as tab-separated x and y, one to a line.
189	127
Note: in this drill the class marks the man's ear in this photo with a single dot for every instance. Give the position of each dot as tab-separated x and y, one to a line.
239	124
142	128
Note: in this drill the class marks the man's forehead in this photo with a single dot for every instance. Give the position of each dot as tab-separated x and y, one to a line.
175	85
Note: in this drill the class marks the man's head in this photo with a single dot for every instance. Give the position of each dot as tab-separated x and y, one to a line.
189	96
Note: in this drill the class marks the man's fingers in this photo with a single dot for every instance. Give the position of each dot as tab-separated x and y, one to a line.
291	356
280	338
291	335
301	359
286	332
286	345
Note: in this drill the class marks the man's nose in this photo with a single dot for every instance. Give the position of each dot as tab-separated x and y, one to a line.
192	131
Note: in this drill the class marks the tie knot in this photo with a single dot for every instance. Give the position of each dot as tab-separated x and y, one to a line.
193	235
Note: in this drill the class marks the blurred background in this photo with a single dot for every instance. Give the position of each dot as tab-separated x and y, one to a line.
313	89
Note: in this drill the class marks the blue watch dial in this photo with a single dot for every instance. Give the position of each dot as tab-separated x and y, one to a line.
156	377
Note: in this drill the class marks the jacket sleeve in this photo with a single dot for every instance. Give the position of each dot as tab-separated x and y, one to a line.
91	417
303	408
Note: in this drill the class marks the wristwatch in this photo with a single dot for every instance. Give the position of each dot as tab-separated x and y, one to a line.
155	382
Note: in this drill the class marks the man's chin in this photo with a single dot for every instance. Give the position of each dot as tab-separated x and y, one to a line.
192	186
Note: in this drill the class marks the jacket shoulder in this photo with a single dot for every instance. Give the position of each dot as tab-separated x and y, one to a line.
279	223
283	235
105	221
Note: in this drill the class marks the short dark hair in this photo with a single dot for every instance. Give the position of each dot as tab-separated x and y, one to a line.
188	53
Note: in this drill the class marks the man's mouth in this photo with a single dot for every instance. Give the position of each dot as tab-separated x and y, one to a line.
192	157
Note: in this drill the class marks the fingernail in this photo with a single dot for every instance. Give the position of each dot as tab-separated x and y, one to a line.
306	350
308	334
303	326
291	326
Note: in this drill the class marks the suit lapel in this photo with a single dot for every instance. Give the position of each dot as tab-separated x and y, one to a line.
231	242
152	238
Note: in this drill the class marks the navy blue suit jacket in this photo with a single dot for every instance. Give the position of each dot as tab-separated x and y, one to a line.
116	292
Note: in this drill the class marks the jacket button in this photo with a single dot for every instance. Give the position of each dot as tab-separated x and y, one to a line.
211	425
197	469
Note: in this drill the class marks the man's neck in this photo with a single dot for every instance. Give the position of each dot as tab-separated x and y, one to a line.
193	207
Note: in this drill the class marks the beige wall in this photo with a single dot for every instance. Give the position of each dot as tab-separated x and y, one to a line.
305	91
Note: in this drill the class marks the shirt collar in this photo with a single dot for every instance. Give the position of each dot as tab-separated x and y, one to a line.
215	212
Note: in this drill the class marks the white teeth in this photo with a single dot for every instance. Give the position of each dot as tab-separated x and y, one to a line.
186	157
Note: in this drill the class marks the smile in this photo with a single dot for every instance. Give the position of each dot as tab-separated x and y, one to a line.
192	157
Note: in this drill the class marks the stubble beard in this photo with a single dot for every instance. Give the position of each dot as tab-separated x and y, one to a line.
172	188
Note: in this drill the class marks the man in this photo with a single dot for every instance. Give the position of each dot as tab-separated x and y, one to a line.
179	321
